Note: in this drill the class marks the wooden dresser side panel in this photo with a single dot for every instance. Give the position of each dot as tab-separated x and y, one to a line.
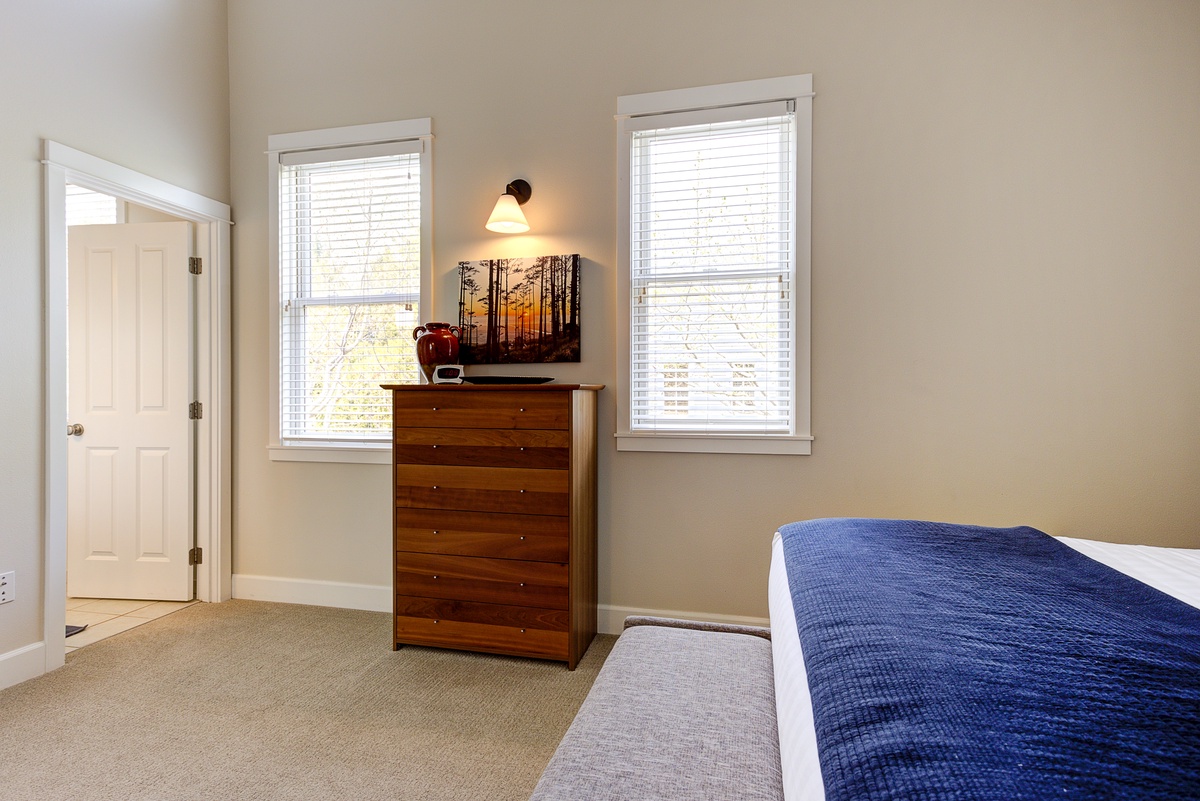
395	519
582	567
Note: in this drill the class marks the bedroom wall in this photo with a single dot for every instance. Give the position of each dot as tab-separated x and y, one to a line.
141	84
1005	251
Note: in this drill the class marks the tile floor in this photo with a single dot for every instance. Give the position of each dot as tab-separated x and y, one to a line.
106	617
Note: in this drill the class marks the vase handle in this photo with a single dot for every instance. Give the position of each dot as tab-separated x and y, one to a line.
420	329
454	329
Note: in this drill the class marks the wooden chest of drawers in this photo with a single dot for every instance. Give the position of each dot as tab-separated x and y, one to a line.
495	518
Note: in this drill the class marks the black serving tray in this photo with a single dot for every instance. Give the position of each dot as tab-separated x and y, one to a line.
508	379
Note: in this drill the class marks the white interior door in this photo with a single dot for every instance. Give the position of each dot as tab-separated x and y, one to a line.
129	379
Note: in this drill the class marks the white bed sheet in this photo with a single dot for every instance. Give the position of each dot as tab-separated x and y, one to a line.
1175	571
793	703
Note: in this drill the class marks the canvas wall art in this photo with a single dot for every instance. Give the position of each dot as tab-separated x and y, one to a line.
519	310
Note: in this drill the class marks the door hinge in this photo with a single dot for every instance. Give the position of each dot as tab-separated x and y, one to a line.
196	556
195	265
195	410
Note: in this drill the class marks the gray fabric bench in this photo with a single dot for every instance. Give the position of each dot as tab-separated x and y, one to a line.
680	711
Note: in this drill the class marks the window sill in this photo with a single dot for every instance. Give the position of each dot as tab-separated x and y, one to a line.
346	454
712	443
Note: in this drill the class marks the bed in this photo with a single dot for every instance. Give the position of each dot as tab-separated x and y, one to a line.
1058	700
910	660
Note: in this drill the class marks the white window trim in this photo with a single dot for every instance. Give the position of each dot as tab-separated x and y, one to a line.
348	136
797	88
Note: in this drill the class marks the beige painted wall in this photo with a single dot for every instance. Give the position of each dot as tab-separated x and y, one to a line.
1006	258
144	85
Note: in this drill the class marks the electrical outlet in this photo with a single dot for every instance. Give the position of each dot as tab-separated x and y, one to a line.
7	588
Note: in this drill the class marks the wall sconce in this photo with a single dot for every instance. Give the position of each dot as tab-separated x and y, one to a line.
507	217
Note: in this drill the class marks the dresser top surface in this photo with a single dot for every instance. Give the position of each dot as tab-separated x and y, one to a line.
549	387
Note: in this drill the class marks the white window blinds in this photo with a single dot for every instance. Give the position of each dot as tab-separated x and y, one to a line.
712	265
85	207
350	279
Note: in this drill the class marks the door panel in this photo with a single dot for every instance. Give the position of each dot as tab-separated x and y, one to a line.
153	373
154	483
98	481
129	474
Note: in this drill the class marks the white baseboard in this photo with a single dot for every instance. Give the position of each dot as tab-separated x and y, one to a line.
343	595
22	664
374	598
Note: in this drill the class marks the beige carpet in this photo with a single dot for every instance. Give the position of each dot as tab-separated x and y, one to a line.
250	700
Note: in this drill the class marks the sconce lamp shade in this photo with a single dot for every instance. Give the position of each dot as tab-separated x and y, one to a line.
507	217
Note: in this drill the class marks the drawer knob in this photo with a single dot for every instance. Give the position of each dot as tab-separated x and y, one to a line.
522	492
522	631
435	486
522	536
435	408
521	448
435	447
522	584
437	621
435	576
522	410
435	533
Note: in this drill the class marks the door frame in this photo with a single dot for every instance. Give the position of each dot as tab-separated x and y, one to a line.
213	484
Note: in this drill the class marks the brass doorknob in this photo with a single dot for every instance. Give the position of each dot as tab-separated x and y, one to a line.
75	430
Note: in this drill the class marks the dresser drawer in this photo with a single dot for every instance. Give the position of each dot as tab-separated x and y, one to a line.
538	538
450	408
483	489
496	581
484	447
482	637
523	617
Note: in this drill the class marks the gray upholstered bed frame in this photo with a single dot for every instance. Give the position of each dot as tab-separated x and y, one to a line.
681	711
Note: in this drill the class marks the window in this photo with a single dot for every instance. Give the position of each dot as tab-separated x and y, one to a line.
85	207
714	194
351	246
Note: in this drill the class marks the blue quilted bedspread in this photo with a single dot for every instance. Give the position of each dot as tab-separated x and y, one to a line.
959	662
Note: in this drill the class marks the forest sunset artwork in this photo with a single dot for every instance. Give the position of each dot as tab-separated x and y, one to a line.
519	310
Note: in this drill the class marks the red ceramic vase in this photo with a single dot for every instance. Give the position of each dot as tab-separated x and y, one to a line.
437	344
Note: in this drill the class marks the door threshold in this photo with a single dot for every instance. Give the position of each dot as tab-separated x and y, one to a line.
106	617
